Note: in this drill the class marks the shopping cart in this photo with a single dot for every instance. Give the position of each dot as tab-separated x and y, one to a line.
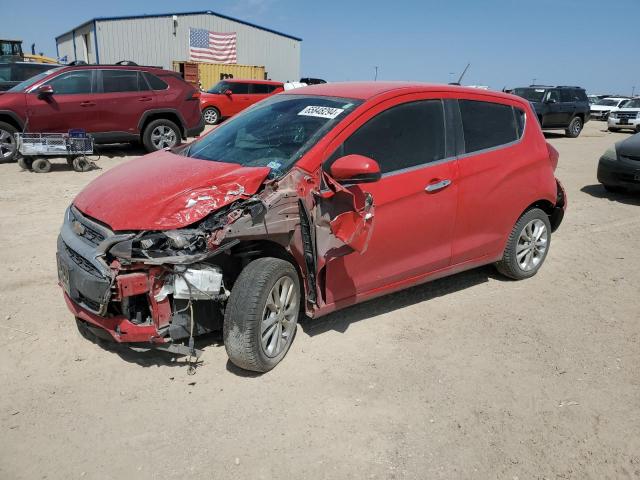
75	145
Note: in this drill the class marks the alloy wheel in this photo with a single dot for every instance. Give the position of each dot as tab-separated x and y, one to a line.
163	137
210	116
576	127
279	317
7	145
532	245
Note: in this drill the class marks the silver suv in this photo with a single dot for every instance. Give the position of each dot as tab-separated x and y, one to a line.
627	117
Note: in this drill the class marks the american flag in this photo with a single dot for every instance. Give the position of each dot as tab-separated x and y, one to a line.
212	46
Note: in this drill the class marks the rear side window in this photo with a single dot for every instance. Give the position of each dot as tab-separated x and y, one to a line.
154	82
401	137
487	125
260	88
114	81
567	96
74	82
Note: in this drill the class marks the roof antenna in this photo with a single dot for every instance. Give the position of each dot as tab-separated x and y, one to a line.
459	82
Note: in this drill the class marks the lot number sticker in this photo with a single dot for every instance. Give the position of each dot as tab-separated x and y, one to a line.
322	112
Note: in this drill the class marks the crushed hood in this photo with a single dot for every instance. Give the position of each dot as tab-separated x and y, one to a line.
163	191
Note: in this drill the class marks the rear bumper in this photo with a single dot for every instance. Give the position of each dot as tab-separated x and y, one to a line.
619	173
197	130
560	207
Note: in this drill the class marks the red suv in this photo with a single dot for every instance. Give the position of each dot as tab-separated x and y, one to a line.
112	103
229	97
307	203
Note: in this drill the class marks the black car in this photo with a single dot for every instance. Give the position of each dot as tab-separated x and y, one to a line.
619	167
558	107
12	73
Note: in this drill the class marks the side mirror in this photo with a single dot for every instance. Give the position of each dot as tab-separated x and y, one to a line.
355	169
45	90
550	100
228	92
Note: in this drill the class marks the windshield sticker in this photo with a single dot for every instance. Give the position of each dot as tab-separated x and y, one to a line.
322	112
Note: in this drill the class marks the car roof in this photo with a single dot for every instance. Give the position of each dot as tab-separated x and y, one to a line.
616	98
115	67
368	90
242	80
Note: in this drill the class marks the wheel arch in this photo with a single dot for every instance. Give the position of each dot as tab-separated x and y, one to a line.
12	119
164	114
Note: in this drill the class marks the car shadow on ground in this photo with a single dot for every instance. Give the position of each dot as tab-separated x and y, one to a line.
341	320
554	134
598	191
338	321
120	150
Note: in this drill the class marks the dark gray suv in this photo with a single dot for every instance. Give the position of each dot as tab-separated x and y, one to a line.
559	107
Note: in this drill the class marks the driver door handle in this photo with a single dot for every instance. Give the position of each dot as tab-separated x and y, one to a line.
434	187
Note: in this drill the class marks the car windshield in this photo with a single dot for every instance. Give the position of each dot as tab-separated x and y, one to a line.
22	86
608	102
219	87
274	133
531	94
635	103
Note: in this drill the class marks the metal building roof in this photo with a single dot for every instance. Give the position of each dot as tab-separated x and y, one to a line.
161	15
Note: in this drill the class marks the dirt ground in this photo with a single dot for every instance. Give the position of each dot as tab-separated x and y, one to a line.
468	377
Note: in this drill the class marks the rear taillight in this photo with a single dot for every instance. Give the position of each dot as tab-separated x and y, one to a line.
553	156
194	95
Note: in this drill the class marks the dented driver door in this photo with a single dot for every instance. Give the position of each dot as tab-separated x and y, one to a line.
403	224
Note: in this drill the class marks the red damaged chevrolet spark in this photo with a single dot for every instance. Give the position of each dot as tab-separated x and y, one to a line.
305	203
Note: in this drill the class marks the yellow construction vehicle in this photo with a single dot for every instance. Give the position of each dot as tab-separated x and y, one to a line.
11	50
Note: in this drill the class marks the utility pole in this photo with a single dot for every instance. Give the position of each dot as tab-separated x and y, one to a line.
633	90
451	74
375	78
534	81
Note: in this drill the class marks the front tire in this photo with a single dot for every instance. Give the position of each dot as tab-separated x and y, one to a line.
262	314
527	246
575	127
160	134
211	115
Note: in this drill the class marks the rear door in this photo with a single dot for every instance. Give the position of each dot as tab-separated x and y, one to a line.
568	104
70	106
415	201
123	96
492	176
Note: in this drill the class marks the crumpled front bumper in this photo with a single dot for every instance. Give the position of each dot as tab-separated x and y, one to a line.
119	328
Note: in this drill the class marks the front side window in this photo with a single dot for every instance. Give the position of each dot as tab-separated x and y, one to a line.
633	103
74	82
554	95
114	81
401	137
487	125
274	133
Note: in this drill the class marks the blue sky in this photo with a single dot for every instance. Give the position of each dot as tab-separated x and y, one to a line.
592	43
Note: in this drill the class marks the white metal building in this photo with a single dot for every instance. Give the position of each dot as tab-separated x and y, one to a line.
160	39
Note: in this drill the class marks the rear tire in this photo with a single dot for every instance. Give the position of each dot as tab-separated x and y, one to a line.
8	144
41	165
211	115
160	134
575	127
527	246
262	314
